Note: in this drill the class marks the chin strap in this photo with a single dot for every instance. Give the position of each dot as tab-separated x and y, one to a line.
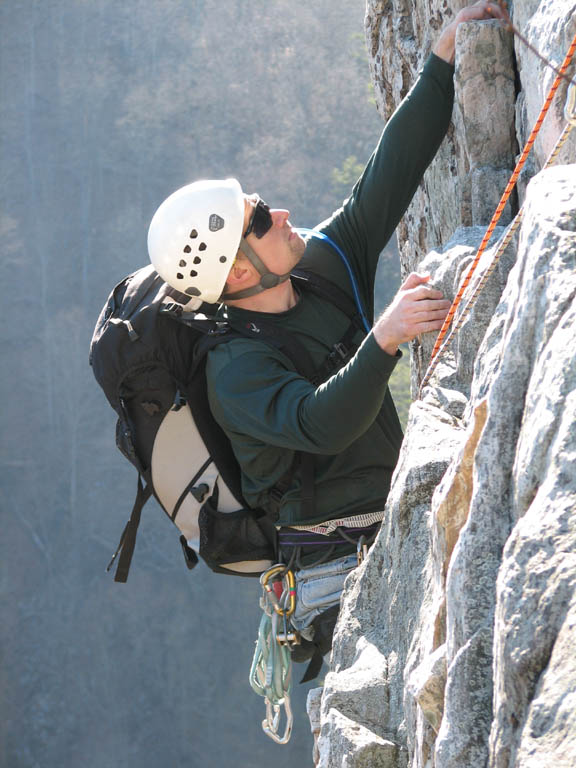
267	279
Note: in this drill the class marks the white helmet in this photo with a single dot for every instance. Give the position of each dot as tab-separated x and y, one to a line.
194	237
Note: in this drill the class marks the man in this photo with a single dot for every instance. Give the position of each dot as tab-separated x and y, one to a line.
212	241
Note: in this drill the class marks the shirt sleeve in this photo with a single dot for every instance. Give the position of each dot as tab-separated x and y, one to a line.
379	199
256	394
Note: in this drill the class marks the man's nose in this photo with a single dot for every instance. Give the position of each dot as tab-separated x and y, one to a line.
279	216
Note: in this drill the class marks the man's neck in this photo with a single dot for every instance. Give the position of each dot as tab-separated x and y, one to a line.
274	300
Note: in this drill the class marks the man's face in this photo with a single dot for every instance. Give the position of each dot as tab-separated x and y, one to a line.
281	247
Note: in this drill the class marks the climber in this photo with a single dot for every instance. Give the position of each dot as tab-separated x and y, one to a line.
327	508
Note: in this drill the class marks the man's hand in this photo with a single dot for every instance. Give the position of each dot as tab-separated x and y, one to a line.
483	9
416	309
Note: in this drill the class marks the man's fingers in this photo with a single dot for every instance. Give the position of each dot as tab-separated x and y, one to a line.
483	9
424	292
429	302
431	314
417	308
418	321
413	280
431	325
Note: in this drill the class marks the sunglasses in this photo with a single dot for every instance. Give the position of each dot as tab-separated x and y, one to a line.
260	221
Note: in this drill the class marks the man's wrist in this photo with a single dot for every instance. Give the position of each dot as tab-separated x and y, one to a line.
445	47
390	349
386	342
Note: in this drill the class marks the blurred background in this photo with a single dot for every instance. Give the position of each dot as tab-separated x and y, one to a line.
106	108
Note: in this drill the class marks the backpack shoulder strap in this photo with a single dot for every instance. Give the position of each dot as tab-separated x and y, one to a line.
267	333
300	358
287	343
328	290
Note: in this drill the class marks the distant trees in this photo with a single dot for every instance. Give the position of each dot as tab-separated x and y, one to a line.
275	93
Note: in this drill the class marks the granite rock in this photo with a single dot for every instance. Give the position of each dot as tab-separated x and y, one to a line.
454	632
465	607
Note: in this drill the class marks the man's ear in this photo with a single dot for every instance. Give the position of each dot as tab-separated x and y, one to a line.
240	273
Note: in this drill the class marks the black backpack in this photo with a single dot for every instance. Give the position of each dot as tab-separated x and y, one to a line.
148	353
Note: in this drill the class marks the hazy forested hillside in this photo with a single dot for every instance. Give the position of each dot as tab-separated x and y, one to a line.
105	108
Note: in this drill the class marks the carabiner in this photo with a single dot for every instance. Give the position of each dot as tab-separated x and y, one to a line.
361	550
291	585
271	723
570	106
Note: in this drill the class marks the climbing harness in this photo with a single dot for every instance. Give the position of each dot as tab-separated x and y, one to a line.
295	546
271	671
443	340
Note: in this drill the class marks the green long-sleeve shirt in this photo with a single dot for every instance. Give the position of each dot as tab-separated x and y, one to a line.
267	409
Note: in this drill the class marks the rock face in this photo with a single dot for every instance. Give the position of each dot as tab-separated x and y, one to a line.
454	647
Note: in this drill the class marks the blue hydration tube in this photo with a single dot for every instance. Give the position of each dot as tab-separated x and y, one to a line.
340	252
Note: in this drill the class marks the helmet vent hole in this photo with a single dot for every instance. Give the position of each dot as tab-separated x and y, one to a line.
222	259
193	234
193	273
197	260
180	276
202	247
182	263
187	249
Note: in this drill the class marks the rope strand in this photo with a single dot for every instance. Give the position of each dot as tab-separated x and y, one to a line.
510	26
438	346
504	243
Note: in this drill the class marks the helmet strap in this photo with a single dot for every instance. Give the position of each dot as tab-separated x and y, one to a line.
267	279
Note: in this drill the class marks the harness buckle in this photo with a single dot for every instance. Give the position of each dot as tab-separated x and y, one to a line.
289	638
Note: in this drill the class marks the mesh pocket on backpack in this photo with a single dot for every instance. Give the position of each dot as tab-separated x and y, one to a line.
230	538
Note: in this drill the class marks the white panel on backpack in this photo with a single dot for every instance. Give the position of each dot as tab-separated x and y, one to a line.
178	454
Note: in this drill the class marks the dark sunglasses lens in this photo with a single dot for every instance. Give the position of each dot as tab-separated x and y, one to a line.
262	220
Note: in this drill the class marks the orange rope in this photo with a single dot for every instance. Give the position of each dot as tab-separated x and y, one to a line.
500	207
504	243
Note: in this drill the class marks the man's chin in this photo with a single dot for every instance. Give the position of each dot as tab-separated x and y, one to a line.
298	247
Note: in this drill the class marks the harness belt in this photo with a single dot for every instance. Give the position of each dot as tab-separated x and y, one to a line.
294	545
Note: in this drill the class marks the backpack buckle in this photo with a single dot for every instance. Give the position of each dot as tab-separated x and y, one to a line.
218	329
171	308
341	350
190	557
275	494
200	492
179	401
